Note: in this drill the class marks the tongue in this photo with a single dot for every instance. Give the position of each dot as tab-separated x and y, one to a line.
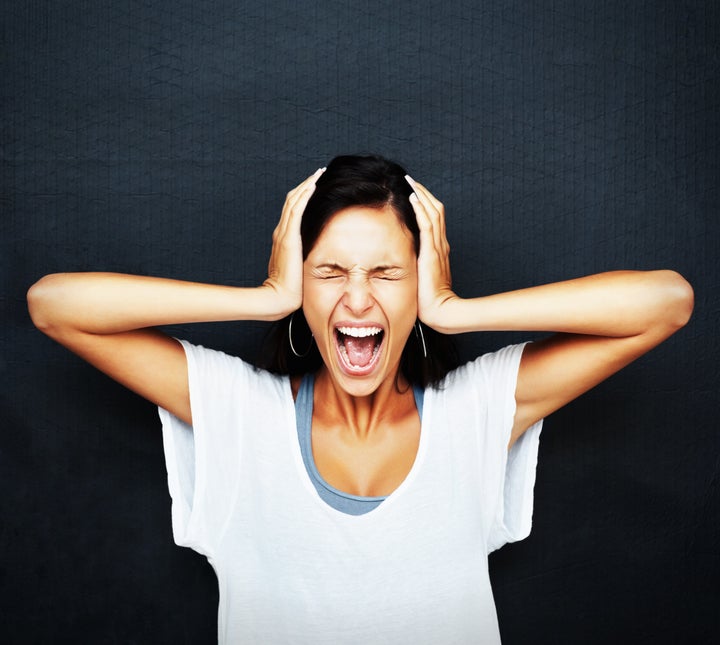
360	350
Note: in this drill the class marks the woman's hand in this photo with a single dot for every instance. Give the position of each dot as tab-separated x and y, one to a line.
285	268
434	279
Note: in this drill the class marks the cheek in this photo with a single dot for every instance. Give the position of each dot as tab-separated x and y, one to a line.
318	303
404	291
400	304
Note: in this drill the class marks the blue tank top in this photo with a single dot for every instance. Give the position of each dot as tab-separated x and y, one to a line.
339	500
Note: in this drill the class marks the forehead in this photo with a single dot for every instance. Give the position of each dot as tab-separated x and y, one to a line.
363	233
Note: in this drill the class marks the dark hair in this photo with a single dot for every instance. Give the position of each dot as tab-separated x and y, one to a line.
352	180
358	181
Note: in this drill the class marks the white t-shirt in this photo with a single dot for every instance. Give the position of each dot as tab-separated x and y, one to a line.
291	569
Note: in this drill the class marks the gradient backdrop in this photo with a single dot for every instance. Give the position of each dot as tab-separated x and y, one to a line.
160	137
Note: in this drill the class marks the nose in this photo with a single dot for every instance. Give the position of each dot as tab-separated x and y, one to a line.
357	297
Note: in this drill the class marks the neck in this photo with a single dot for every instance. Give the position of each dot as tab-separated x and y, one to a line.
362	415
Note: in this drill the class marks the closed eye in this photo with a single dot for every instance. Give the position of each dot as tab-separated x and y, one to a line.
325	274
328	275
390	274
329	271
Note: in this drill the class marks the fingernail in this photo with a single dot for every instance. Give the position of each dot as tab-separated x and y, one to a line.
410	180
413	197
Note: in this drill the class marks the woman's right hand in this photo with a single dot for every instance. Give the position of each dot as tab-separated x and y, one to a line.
285	268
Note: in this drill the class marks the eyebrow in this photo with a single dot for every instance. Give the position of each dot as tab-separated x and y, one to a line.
330	265
378	269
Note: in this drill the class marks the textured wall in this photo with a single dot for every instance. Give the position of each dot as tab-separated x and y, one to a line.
159	137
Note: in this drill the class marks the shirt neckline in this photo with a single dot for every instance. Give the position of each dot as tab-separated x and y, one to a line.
388	500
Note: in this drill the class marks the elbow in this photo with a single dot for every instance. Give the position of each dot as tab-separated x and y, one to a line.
40	299
678	300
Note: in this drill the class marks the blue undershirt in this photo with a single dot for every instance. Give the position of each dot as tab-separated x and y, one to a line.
339	500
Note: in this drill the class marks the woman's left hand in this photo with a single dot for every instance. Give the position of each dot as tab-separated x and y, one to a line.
434	279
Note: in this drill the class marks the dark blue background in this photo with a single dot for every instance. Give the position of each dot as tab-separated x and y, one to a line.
160	137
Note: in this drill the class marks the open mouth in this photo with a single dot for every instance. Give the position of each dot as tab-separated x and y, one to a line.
359	347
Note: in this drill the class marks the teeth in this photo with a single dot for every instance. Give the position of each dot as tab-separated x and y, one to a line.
359	332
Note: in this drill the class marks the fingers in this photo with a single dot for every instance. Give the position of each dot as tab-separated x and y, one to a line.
424	192
423	217
303	190
285	264
430	213
295	203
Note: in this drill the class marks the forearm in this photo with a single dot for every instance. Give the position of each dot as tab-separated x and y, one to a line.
616	304
107	303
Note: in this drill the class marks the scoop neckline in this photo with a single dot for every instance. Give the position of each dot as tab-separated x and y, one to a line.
386	501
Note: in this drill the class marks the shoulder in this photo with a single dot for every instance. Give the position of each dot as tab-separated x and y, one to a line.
217	368
500	364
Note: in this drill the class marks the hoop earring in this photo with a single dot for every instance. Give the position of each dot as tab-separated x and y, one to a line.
292	347
420	336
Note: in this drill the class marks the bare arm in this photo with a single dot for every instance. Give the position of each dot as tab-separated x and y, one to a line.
603	321
107	318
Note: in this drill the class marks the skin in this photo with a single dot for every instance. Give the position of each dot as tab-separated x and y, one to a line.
371	282
365	430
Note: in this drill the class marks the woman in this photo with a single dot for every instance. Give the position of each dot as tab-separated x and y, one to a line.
356	499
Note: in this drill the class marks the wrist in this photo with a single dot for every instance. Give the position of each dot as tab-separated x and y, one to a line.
444	315
276	303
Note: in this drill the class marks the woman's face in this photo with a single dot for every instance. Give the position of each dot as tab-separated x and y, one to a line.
360	296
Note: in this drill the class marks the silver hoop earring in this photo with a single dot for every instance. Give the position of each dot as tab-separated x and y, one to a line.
292	347
421	337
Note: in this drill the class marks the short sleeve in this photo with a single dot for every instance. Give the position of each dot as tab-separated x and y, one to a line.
507	477
514	502
202	460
